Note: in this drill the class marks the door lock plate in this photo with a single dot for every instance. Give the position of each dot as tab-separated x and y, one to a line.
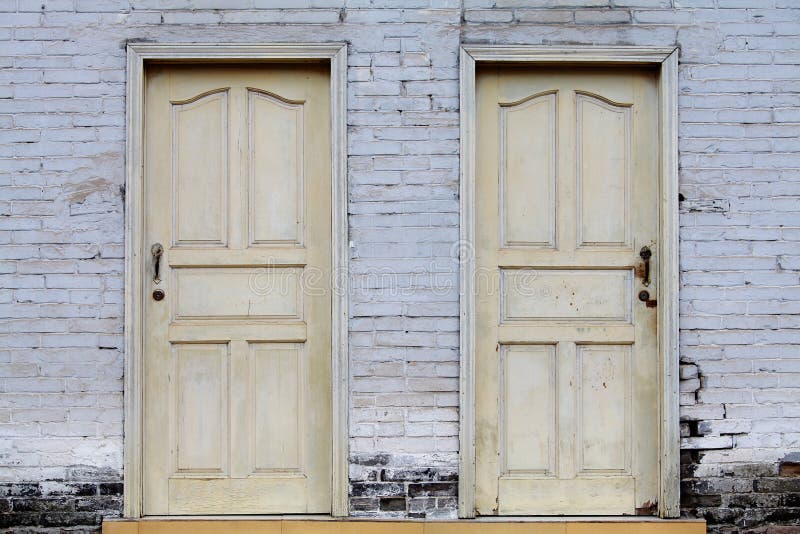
644	296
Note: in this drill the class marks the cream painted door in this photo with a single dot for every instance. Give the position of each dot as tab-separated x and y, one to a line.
237	357
566	360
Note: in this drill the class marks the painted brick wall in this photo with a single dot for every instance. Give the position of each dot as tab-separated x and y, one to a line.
61	228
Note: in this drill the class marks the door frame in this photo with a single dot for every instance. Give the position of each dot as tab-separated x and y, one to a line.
666	59
138	55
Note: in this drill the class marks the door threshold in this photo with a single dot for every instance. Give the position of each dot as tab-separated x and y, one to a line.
479	519
328	524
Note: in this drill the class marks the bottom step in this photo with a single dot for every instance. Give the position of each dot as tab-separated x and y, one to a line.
350	526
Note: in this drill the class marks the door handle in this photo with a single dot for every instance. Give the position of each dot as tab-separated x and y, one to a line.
157	250
646	254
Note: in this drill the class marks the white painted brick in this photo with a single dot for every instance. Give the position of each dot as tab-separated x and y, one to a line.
488	15
544	16
708	442
595	16
62	123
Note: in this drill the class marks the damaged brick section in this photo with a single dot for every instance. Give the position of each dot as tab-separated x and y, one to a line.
742	498
380	486
719	481
78	502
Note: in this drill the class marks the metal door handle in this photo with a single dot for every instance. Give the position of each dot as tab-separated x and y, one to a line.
157	250
646	254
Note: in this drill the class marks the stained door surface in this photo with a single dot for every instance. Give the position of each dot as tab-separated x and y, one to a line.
566	360
237	356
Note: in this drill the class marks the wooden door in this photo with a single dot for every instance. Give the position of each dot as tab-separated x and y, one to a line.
567	413
237	354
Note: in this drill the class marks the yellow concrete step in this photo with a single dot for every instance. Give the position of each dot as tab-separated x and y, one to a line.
350	526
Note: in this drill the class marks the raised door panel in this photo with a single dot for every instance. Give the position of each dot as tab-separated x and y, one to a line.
528	171
277	407
275	161
566	295
200	169
529	435
238	292
604	171
604	398
199	423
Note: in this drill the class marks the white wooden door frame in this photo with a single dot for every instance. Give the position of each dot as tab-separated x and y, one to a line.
666	60
139	54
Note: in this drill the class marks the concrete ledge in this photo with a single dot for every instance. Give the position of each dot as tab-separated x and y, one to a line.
351	526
